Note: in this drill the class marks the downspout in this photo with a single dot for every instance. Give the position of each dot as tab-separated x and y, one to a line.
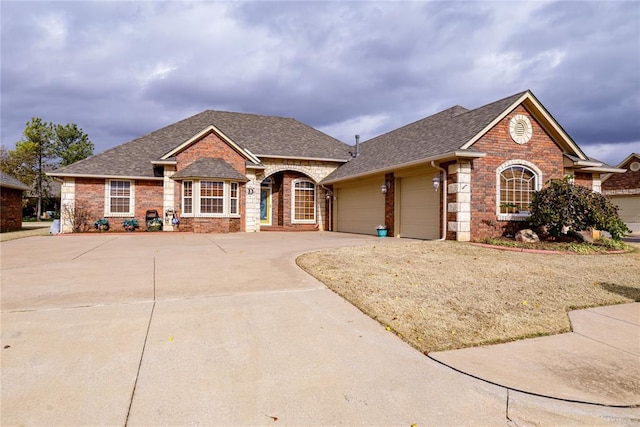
330	200
444	200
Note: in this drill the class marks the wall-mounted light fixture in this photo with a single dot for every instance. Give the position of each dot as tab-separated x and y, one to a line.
383	188
436	182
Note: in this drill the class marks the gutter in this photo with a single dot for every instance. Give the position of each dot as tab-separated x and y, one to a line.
444	200
459	154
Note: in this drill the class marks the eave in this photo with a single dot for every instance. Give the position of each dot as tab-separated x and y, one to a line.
317	159
104	176
438	158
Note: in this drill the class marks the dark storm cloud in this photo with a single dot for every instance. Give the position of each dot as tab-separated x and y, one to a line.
122	69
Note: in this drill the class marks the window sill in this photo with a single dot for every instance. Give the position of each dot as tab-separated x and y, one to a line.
303	222
513	217
119	215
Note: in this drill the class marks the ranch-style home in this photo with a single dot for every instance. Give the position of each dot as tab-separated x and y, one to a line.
459	174
623	189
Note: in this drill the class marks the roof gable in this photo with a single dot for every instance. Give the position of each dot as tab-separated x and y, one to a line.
539	112
204	132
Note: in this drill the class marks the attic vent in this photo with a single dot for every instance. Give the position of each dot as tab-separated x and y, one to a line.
635	166
520	129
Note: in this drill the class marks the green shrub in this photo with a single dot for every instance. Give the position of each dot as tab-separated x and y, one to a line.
563	204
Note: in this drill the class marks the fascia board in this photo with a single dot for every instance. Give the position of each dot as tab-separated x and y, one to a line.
439	158
317	159
71	175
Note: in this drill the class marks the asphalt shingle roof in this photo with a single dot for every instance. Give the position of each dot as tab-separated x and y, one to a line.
8	181
264	136
207	167
440	133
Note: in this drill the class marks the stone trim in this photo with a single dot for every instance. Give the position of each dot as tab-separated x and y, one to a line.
67	200
462	205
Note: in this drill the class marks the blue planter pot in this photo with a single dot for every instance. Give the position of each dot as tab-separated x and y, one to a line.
382	233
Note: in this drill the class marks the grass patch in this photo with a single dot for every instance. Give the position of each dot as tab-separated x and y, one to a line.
447	295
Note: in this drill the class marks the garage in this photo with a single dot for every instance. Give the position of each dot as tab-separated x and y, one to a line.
629	207
360	207
419	208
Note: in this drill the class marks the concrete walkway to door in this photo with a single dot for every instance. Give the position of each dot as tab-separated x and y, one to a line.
183	329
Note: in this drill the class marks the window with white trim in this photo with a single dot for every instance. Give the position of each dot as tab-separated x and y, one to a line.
516	185
119	198
204	198
211	197
187	197
233	198
304	202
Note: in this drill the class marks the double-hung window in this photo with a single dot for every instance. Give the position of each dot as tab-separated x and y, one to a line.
233	198
207	198
187	197
304	202
211	197
119	198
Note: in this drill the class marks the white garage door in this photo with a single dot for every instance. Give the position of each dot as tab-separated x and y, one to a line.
628	207
360	208
419	208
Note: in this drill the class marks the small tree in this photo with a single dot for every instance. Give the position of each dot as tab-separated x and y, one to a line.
562	204
77	215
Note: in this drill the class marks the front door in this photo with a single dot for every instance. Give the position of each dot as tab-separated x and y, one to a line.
265	206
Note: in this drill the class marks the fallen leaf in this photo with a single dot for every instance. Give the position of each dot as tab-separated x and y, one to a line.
170	338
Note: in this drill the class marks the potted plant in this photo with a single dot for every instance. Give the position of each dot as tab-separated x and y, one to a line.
130	224
382	230
154	224
101	225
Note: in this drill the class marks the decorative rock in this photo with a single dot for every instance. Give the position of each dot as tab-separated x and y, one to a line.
527	235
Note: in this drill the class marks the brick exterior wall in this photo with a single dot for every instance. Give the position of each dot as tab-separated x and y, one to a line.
90	195
623	183
213	147
389	203
541	150
10	209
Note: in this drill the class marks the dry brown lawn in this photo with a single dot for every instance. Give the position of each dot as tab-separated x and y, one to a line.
447	295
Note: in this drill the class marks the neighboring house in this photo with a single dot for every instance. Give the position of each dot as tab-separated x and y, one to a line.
624	190
223	172
487	161
11	204
215	171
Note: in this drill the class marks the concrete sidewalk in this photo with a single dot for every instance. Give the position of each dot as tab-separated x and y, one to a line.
178	329
597	363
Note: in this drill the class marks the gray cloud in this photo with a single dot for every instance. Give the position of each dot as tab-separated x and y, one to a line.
122	69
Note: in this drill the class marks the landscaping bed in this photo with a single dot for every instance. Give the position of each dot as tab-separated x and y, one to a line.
446	295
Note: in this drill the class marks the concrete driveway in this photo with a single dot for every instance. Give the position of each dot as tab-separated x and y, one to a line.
186	329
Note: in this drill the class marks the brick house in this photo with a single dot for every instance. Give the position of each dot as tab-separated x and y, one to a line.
227	172
11	191
623	189
215	172
459	174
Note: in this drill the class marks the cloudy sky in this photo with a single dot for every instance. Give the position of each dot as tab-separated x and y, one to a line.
122	69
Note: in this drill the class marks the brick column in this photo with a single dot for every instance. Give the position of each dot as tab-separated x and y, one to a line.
389	203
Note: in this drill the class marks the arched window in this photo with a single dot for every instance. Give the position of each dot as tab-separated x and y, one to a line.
516	184
304	202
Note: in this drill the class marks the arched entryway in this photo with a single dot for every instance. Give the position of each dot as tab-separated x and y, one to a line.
291	200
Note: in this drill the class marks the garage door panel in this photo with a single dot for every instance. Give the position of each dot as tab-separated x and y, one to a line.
419	208
628	208
360	209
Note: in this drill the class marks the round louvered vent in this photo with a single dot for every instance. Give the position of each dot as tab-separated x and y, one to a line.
635	166
520	129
